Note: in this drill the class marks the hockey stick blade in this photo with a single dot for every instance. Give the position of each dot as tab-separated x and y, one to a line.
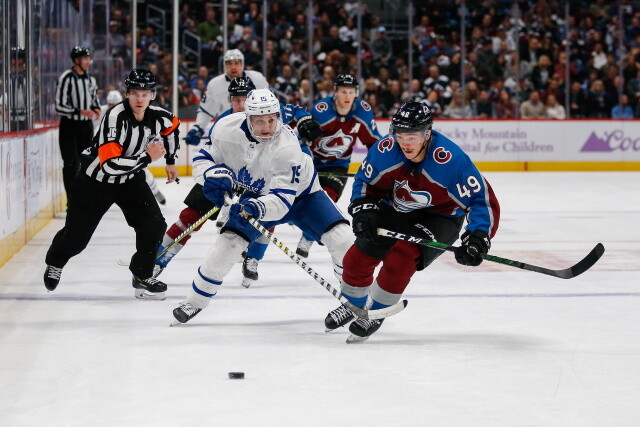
567	273
360	312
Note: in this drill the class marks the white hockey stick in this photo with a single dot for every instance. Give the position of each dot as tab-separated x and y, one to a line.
360	312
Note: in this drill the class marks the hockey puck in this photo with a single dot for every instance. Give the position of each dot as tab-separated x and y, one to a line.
236	375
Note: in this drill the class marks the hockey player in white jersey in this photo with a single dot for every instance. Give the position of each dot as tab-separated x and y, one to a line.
216	100
254	151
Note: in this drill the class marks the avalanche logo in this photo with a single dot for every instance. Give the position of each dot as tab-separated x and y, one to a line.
385	145
407	200
365	106
442	156
334	146
322	106
245	182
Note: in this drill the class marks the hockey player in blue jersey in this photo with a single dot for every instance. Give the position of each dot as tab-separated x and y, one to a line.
344	119
418	182
255	151
198	204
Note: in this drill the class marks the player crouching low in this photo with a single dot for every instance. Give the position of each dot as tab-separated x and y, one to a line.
418	182
256	152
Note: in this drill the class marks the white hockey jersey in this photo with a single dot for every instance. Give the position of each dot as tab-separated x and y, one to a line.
216	98
277	171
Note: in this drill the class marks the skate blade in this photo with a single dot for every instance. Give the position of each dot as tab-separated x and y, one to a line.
142	294
354	339
248	282
176	323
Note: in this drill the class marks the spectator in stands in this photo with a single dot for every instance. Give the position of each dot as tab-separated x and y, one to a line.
456	109
439	83
483	106
553	109
541	73
381	47
203	74
597	103
622	110
433	103
576	100
505	106
117	42
151	45
533	108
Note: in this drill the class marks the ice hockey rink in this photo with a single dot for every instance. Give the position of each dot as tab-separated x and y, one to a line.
485	346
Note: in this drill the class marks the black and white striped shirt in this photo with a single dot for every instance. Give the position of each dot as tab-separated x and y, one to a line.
119	146
76	92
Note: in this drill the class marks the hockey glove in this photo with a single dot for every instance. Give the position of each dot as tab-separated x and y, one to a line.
251	207
194	135
366	218
474	246
218	181
309	129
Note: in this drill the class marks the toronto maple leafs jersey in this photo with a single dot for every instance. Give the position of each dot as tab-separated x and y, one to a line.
276	171
446	183
339	133
216	98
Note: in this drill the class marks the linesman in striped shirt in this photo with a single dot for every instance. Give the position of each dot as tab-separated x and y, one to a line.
131	135
77	103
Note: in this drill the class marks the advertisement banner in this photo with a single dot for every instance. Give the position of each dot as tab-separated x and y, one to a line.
12	190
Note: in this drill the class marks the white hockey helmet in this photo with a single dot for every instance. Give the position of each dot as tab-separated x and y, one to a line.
233	54
114	97
261	102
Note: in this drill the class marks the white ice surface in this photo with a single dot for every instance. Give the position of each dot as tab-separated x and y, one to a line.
485	346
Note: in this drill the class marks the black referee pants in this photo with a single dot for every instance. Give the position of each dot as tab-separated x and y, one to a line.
89	200
74	136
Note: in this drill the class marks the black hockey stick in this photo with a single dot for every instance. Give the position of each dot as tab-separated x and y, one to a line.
336	174
567	273
360	312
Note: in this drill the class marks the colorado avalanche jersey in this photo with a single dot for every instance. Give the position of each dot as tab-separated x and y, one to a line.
446	183
339	133
276	171
216	97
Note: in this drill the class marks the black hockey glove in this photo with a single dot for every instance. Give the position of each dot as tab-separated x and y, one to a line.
474	245
366	218
309	129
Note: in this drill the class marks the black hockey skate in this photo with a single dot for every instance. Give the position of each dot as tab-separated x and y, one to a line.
52	277
249	271
184	312
337	318
362	329
303	248
149	288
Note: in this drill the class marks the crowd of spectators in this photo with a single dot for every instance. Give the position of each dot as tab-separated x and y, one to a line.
515	62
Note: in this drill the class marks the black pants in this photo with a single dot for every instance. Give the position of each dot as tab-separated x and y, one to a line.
89	200
198	201
417	223
74	136
335	182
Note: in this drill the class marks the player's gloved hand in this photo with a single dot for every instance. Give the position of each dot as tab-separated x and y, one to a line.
309	129
366	218
474	245
194	135
249	206
218	182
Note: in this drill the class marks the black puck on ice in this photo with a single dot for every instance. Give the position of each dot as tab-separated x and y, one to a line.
236	375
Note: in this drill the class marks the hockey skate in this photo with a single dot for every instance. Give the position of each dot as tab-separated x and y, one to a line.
52	277
303	247
362	329
249	271
160	198
150	288
184	312
337	318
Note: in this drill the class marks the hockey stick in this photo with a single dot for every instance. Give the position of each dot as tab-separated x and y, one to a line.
360	312
185	233
568	273
337	174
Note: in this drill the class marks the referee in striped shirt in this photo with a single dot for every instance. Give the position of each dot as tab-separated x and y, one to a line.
77	103
131	135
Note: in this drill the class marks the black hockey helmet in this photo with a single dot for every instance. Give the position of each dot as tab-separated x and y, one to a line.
141	79
412	116
346	80
79	52
240	86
